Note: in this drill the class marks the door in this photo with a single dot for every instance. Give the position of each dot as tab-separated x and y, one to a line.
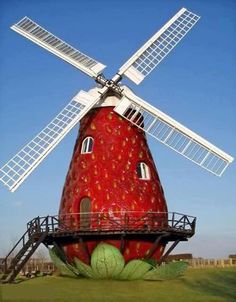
85	211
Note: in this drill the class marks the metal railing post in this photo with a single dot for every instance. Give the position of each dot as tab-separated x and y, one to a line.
38	224
173	219
193	225
47	224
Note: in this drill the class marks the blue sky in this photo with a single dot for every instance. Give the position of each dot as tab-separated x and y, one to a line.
195	85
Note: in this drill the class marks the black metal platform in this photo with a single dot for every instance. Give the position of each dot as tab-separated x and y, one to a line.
50	230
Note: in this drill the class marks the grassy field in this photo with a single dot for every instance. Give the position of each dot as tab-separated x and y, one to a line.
197	285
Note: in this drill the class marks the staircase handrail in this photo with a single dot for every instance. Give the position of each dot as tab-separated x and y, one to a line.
22	239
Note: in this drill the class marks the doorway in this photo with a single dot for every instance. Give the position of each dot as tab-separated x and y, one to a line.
85	212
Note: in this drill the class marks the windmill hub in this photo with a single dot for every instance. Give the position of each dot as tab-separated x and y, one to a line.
111	84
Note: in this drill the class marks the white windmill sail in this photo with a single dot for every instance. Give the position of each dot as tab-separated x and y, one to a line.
31	30
173	134
17	169
158	46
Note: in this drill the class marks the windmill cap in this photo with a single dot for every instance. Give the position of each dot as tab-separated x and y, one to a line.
111	98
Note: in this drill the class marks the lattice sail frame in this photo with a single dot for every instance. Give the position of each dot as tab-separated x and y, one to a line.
173	134
17	169
34	32
158	46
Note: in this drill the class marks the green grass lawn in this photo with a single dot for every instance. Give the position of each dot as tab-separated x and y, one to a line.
196	285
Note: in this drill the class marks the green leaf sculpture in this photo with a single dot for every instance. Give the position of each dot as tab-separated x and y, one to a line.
166	272
65	269
107	261
134	270
84	269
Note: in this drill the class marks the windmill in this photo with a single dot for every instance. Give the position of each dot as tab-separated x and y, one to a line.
112	172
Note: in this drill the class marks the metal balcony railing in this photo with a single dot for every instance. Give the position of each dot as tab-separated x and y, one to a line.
116	221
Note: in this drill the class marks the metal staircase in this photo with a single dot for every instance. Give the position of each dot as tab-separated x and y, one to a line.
21	253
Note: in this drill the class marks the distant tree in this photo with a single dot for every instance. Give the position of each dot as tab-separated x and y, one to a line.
42	256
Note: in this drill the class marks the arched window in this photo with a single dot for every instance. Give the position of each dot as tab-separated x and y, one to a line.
87	145
85	209
143	171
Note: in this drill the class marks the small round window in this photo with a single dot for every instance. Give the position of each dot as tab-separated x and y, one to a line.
143	171
87	145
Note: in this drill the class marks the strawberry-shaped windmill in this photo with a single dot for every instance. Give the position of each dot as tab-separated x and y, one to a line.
112	176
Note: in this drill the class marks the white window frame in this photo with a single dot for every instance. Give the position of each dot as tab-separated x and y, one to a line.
87	145
144	171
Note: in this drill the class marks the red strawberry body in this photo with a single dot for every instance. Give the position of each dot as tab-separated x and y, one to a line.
108	176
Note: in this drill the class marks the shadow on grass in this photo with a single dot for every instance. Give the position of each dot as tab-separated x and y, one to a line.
220	283
23	279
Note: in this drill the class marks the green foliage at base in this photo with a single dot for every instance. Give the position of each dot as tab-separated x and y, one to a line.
84	269
134	270
65	269
107	262
166	272
151	261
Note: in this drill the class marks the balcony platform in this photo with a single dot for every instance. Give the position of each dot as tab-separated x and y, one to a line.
97	226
